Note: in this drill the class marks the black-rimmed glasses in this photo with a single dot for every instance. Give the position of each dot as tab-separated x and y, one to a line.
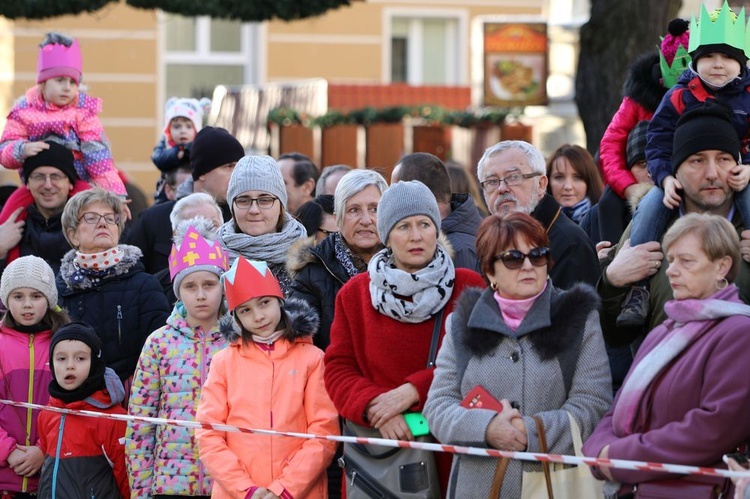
511	180
245	202
93	218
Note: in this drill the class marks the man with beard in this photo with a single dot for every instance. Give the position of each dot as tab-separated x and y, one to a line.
513	177
705	150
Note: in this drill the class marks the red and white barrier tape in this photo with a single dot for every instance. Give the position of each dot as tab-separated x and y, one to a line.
452	449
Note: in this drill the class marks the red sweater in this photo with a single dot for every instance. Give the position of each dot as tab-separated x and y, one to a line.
371	353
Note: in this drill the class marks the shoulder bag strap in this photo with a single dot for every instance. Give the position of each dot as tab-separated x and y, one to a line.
435	338
497	480
543	447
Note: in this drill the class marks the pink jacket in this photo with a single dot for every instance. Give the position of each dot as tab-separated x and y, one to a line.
283	390
76	126
24	375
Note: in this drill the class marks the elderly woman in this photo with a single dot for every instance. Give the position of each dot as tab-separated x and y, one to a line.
385	318
688	390
535	349
104	284
574	180
260	228
319	271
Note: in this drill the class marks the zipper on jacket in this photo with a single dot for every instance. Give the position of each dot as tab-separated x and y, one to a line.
119	319
57	457
204	356
30	400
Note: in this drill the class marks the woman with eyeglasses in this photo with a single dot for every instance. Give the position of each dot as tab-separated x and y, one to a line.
387	318
317	217
534	349
260	228
103	283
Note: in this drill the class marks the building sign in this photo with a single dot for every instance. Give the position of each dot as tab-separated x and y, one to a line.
515	64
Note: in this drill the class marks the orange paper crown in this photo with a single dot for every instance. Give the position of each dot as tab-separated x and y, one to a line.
248	279
195	251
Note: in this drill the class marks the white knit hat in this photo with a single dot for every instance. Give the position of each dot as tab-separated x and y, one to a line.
257	173
191	109
29	272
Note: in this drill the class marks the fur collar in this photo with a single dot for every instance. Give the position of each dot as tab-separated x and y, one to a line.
643	83
302	319
562	316
130	259
637	194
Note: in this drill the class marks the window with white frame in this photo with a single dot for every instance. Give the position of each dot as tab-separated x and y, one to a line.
425	50
201	53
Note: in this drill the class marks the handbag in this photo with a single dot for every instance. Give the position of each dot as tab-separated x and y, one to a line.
563	482
379	472
680	488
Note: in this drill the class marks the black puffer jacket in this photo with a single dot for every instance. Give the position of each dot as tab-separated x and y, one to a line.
124	308
318	276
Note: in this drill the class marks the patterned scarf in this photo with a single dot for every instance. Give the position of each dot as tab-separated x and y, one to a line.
408	297
353	264
578	210
270	248
687	321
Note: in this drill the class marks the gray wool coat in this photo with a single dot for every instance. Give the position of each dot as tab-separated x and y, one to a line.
525	367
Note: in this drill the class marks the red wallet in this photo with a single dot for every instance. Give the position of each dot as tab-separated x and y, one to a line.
479	398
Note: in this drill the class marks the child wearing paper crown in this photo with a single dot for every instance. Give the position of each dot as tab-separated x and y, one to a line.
269	377
28	290
183	119
83	456
56	109
163	460
718	76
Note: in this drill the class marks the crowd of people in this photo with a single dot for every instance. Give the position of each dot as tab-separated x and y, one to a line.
520	310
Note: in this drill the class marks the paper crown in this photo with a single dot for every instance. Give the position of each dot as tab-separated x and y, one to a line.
195	251
248	279
670	73
719	27
56	60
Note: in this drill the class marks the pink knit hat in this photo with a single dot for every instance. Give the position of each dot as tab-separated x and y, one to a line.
57	59
678	35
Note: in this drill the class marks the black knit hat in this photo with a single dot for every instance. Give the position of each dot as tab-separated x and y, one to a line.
706	128
57	156
213	147
635	150
79	331
733	52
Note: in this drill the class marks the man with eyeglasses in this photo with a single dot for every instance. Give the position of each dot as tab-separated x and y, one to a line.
36	229
513	178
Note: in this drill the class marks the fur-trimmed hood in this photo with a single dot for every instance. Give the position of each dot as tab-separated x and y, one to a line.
643	83
555	319
302	319
130	262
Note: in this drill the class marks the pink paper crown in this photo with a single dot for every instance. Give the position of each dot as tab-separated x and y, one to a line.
58	60
248	279
196	251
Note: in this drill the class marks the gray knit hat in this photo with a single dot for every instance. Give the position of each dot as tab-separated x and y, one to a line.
405	199
256	173
29	272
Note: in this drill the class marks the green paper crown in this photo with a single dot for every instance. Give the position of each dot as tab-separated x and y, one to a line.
670	74
722	28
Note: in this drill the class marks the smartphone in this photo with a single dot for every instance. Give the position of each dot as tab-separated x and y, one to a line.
417	424
479	398
739	457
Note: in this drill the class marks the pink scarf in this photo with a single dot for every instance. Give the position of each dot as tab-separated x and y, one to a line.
687	321
515	310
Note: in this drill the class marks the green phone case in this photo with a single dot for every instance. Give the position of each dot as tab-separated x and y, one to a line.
417	424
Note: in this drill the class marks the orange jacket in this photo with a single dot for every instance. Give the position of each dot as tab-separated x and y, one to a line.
283	390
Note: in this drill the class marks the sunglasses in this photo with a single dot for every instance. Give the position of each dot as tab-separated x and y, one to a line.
513	259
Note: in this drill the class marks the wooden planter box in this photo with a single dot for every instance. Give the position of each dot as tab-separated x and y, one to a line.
516	131
434	139
293	138
468	144
385	146
339	145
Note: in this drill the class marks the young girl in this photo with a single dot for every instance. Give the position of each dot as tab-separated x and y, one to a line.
83	456
28	291
57	110
270	377
163	460
183	120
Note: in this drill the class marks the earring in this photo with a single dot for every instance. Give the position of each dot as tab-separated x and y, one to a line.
493	285
722	283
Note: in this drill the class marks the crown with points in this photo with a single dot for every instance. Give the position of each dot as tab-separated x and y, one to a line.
721	26
673	55
56	60
248	279
195	251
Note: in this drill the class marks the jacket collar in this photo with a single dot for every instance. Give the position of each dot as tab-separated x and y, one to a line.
547	211
130	264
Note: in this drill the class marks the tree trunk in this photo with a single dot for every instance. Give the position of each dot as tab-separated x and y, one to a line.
615	35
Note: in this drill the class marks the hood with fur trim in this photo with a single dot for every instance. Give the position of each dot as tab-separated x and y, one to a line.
302	321
643	83
69	273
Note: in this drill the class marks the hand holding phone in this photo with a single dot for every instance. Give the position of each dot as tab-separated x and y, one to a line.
417	424
479	398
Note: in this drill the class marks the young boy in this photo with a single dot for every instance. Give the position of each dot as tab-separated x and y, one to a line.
717	76
183	119
83	456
